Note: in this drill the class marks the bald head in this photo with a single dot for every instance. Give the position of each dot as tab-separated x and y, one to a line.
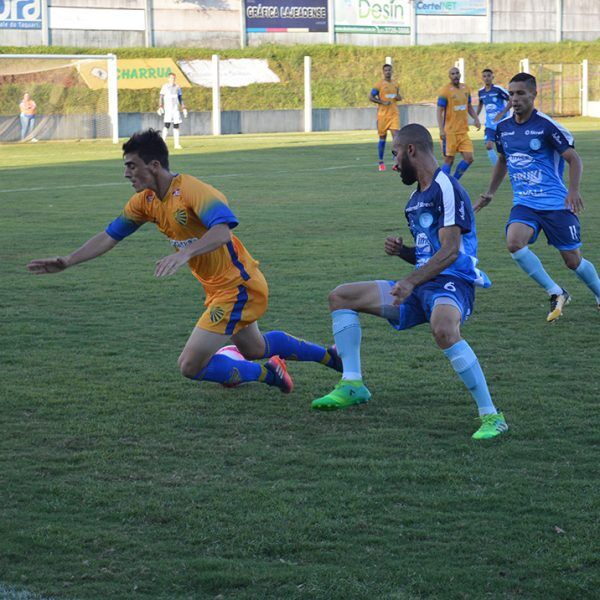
415	135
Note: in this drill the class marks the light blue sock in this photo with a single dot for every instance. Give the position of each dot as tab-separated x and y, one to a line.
492	156
465	363
347	336
588	274
532	265
463	165
446	168
381	149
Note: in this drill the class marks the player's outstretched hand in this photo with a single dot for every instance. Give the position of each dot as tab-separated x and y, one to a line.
185	113
393	245
45	266
161	111
169	264
574	202
401	291
484	200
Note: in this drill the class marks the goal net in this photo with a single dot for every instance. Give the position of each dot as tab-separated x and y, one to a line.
58	97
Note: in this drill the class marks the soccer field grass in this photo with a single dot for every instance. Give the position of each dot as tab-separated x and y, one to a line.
121	479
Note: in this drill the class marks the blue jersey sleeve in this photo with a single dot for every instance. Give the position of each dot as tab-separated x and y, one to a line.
454	208
502	93
121	227
374	92
217	212
558	137
499	147
441	101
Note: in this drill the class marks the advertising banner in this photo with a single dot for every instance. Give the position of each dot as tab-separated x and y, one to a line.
132	74
98	19
474	8
373	16
233	72
20	14
276	16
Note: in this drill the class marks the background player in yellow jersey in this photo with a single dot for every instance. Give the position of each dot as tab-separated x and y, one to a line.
386	94
198	222
453	107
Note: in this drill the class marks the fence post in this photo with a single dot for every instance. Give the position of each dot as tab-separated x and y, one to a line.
216	96
559	15
243	37
524	65
113	97
584	88
490	22
388	61
45	24
307	96
413	29
331	20
460	65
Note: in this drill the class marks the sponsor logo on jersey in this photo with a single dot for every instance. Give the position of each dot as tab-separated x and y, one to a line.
216	314
505	133
534	132
557	137
519	160
460	107
181	216
461	210
419	205
527	177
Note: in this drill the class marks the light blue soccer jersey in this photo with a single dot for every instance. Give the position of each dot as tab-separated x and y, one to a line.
443	204
494	102
533	156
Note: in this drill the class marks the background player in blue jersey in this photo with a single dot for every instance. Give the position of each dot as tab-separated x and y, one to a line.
495	101
533	148
439	291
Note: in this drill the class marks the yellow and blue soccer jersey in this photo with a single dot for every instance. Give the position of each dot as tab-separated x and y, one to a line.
456	101
387	116
443	204
189	209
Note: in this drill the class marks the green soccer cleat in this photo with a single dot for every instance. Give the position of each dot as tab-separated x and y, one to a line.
491	427
346	393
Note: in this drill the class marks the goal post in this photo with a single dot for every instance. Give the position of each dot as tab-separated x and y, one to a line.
75	96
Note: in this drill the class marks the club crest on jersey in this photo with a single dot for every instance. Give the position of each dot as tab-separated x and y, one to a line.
216	314
425	220
181	216
535	144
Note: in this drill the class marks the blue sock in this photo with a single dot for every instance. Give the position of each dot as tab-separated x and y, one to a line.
532	265
492	156
347	336
279	343
587	273
465	363
463	165
446	168
227	371
381	149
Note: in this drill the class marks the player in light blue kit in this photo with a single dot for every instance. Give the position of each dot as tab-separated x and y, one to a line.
440	290
495	101
533	148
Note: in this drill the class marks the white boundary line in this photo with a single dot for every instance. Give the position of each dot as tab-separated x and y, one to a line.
224	175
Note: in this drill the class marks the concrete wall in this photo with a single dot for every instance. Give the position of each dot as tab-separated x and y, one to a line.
524	21
59	127
451	28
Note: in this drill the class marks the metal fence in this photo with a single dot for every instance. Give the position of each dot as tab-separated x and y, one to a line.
559	88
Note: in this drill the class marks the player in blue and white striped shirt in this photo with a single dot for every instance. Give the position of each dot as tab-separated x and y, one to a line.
533	149
494	99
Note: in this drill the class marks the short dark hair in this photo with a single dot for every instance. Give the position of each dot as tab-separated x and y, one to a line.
526	78
417	135
148	145
487	70
387	65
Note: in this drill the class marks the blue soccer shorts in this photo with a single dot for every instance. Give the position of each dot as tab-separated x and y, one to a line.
561	227
417	308
489	135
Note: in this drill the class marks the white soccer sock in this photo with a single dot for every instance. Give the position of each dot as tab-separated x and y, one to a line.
165	133
176	136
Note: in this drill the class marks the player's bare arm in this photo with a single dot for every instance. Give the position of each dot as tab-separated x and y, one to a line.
498	175
573	201
394	246
441	113
450	245
94	247
214	238
503	112
473	114
377	100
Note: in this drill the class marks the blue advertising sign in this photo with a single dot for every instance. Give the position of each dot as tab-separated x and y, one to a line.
20	14
276	16
451	7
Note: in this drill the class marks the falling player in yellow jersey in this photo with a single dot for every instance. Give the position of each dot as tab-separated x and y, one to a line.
453	107
386	94
198	222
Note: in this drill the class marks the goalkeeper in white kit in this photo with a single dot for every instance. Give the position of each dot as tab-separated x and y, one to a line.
172	107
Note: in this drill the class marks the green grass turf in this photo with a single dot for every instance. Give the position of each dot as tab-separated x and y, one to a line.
120	479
